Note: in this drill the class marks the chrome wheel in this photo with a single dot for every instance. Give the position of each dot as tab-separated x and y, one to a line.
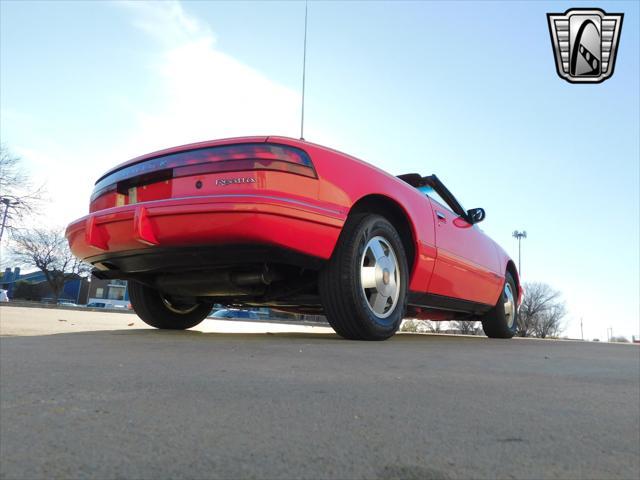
181	309
380	277
509	305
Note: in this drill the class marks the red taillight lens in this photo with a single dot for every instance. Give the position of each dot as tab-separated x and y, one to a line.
227	158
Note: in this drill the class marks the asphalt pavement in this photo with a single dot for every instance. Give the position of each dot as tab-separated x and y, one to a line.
122	401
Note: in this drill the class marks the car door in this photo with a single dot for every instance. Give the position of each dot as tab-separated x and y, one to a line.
466	263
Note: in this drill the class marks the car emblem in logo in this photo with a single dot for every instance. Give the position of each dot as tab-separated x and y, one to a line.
221	182
585	42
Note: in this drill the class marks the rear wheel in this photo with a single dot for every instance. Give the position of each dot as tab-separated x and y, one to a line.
502	320
160	311
363	287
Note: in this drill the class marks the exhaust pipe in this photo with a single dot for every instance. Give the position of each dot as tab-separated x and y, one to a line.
217	284
266	277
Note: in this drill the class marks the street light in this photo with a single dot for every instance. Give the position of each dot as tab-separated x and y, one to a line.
7	203
519	236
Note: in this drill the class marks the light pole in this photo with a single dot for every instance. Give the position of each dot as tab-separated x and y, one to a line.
519	236
7	203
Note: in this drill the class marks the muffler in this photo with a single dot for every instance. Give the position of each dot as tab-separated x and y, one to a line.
217	284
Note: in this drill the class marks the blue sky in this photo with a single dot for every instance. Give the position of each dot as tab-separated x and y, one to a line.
467	90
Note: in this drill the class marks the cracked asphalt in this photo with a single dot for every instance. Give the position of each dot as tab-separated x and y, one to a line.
121	401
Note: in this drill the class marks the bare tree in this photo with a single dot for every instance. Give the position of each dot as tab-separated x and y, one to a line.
619	339
19	197
434	326
541	311
549	322
466	327
48	251
410	325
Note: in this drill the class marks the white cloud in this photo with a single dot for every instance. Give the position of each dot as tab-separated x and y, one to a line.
167	22
206	93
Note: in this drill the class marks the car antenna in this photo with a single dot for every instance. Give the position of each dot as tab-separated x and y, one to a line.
304	68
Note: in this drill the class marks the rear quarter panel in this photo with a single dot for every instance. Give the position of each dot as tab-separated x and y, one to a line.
343	180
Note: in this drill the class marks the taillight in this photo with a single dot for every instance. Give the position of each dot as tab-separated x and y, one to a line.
226	158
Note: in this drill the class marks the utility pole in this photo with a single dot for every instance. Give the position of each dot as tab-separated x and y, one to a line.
581	329
519	236
7	203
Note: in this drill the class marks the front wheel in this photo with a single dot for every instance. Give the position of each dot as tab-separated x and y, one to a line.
502	320
159	311
363	288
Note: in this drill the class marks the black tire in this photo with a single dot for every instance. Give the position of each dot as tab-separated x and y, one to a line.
343	298
154	310
496	323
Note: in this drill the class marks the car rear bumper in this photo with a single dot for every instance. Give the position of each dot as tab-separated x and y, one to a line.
301	226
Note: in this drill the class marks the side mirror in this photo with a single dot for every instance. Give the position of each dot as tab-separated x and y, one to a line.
476	215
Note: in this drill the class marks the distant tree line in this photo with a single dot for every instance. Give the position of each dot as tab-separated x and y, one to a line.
619	339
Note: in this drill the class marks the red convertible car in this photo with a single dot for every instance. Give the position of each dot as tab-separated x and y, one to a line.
294	226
